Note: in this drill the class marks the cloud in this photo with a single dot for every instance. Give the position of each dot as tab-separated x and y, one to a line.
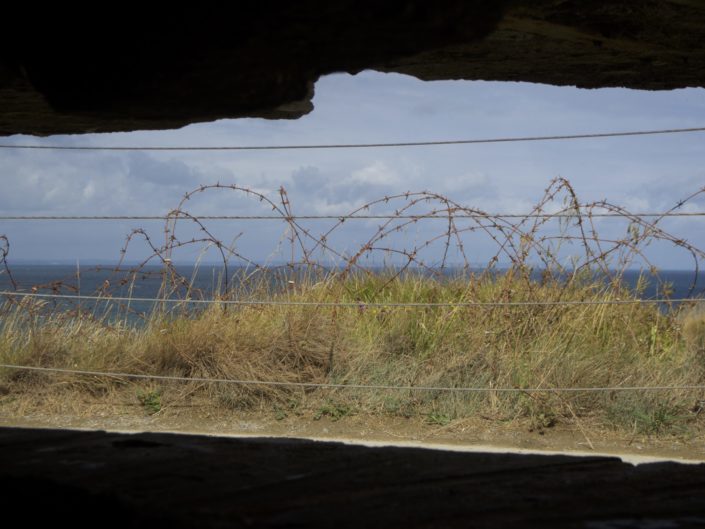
143	167
377	174
309	180
316	192
639	173
96	183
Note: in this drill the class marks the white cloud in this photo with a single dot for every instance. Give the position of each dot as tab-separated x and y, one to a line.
469	180
377	173
639	173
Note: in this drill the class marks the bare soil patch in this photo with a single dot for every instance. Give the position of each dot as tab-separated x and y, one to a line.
464	434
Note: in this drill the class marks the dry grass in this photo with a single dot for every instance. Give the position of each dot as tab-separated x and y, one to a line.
527	346
463	346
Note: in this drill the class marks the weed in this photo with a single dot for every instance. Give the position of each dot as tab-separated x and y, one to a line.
650	418
398	407
437	419
151	400
290	407
333	410
542	420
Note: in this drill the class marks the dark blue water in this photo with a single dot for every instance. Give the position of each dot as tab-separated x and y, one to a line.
207	281
148	282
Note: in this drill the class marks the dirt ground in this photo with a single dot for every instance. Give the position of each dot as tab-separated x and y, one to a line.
464	434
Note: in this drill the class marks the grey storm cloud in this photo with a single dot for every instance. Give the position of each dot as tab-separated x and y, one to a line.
145	168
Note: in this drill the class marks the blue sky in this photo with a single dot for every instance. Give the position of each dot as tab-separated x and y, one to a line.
642	173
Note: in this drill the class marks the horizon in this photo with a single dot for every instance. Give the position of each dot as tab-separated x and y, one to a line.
280	264
641	174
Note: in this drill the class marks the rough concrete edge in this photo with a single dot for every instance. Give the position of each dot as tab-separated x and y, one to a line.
632	459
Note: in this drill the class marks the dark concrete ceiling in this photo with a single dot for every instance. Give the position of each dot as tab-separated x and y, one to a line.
130	71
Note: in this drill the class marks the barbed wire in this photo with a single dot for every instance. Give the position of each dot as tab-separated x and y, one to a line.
353	145
380	387
355	304
516	242
341	217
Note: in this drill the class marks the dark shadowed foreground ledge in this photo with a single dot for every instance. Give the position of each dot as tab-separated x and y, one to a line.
98	479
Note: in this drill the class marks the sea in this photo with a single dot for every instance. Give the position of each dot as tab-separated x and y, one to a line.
206	281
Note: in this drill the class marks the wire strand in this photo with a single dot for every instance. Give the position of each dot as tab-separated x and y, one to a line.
348	386
356	304
353	145
346	217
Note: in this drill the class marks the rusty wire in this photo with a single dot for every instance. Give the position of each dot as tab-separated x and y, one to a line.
518	240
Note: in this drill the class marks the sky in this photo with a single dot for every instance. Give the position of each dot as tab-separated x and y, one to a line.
641	174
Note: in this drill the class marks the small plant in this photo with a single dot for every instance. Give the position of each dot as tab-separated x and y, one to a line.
333	410
542	420
282	410
645	419
662	419
151	400
398	407
437	419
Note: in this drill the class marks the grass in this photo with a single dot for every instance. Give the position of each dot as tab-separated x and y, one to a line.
526	346
587	344
333	409
151	400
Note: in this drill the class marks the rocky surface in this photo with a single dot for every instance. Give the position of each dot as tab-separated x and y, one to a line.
129	71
